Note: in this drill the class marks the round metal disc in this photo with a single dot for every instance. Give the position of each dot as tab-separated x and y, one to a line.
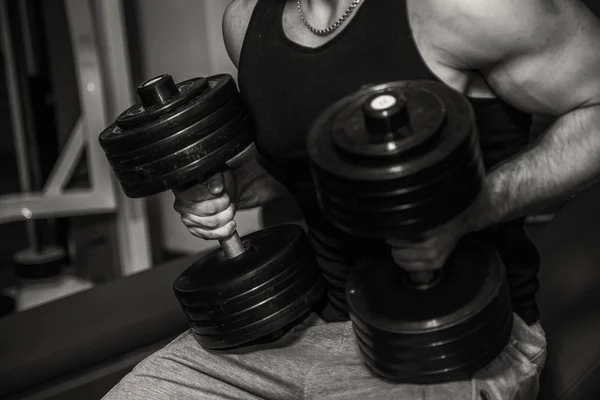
432	343
440	359
206	313
282	315
197	170
178	139
459	123
115	140
266	305
462	370
203	145
426	114
409	203
214	278
378	225
472	277
137	114
415	187
435	335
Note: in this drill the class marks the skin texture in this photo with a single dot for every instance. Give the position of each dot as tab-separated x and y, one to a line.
541	56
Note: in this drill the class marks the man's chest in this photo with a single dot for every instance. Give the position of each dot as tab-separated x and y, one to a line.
421	22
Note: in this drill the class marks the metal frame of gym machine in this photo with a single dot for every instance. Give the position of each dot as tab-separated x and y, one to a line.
97	30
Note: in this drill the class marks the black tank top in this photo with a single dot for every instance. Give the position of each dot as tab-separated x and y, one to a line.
286	86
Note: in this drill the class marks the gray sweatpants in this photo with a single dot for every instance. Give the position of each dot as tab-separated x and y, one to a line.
319	360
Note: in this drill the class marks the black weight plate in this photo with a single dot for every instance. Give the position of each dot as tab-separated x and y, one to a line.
472	277
202	146
457	357
398	211
388	225
426	113
454	190
137	114
115	140
465	372
459	124
406	208
465	150
256	295
215	278
401	189
178	140
195	171
431	345
280	318
281	296
427	343
443	355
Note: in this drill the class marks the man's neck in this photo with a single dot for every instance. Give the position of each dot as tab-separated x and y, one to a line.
324	13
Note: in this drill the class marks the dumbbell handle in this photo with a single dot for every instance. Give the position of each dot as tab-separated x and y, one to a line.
232	246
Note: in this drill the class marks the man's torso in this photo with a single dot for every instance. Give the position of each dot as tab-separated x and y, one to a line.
288	76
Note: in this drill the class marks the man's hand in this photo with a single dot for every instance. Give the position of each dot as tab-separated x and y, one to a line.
207	209
430	251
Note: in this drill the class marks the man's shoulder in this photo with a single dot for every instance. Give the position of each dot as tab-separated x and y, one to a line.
235	23
485	30
240	8
492	8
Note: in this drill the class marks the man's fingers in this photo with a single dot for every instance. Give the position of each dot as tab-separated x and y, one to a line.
220	233
203	208
210	221
216	184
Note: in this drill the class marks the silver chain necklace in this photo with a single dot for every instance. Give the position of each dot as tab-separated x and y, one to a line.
332	28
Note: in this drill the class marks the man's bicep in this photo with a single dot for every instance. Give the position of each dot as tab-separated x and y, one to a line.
557	72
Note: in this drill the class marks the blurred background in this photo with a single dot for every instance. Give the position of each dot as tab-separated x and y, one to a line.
55	51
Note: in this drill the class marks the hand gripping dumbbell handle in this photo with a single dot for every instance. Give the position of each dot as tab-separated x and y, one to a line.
233	246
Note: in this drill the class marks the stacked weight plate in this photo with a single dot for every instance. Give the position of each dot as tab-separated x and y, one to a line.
444	333
398	161
237	301
177	133
410	180
177	136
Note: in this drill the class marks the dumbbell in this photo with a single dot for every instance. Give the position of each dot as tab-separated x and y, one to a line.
399	160
252	288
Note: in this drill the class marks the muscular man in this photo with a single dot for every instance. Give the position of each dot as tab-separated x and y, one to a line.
512	58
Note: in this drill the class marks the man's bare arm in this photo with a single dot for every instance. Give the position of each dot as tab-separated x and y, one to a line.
542	56
255	184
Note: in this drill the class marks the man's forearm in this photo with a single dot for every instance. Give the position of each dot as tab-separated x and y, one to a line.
566	160
256	186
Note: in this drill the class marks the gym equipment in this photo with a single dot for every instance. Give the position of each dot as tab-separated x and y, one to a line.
399	160
251	288
40	262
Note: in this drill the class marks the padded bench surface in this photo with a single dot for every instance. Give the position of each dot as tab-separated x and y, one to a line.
90	327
